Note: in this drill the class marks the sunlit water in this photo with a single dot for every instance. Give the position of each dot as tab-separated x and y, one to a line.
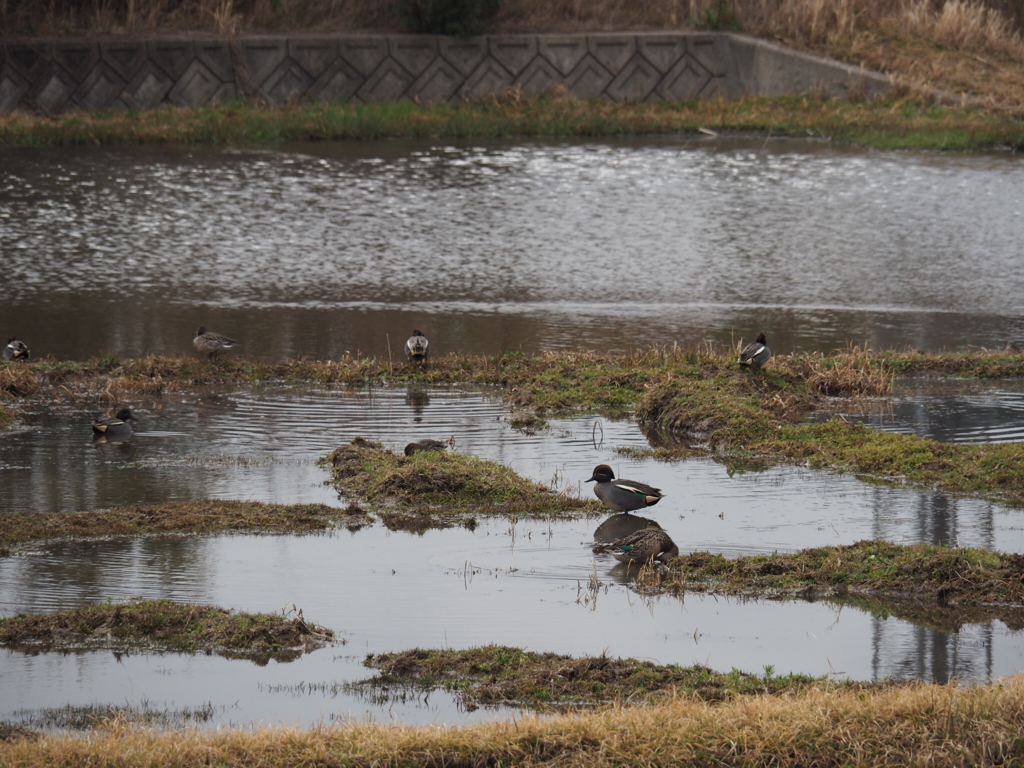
522	584
321	249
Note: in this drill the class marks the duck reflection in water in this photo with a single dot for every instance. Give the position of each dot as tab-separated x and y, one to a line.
617	526
417	398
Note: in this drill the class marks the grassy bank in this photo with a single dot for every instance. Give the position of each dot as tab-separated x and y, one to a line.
163	626
823	726
907	122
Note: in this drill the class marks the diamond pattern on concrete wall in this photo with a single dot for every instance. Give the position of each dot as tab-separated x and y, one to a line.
13	88
286	84
78	59
565	52
388	83
171	56
465	54
662	51
612	51
589	79
415	54
314	54
635	82
28	60
365	54
52	91
338	83
262	56
100	89
538	77
215	55
686	80
124	57
710	51
439	83
148	88
513	52
196	87
489	77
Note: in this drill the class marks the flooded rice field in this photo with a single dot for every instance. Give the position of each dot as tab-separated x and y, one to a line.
522	584
323	249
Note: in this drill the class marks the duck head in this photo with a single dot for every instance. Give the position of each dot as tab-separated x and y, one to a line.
602	474
124	414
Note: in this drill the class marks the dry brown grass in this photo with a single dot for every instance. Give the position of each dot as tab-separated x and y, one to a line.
851	373
934	725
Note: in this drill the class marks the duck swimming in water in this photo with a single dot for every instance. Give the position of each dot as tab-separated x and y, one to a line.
115	426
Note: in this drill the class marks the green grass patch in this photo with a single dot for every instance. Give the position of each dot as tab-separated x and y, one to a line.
163	626
502	676
904	122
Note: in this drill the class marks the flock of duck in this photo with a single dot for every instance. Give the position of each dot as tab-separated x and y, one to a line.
627	537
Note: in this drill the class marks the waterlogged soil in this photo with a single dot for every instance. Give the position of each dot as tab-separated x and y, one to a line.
499	675
164	626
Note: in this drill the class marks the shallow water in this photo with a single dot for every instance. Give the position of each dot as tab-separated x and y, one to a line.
321	249
522	584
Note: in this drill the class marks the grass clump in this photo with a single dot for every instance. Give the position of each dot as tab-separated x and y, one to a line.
439	481
164	626
194	517
502	676
926	572
827	726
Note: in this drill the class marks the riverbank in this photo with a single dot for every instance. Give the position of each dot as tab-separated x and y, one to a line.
906	122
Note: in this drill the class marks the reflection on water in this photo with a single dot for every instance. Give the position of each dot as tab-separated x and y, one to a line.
325	248
948	410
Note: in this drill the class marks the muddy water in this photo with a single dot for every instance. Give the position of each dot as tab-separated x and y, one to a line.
326	248
522	584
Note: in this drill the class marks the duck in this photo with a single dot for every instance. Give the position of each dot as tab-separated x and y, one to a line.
755	354
417	348
426	444
115	426
617	526
622	495
651	543
212	344
16	350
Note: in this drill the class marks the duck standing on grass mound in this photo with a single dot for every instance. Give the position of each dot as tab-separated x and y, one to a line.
15	350
622	495
212	344
755	354
427	444
115	426
652	543
417	348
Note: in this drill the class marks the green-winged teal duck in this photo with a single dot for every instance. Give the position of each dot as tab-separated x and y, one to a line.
622	495
115	426
755	354
652	543
417	348
15	350
212	344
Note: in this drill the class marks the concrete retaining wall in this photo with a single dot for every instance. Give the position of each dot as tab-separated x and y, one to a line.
54	76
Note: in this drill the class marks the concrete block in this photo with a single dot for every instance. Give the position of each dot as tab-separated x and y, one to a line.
662	51
124	57
288	83
171	56
440	82
13	88
224	94
612	51
565	52
489	77
414	52
513	52
338	83
465	54
52	91
712	51
687	79
538	77
364	54
589	79
262	56
28	59
388	83
77	58
100	88
148	89
215	56
196	87
635	82
313	54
